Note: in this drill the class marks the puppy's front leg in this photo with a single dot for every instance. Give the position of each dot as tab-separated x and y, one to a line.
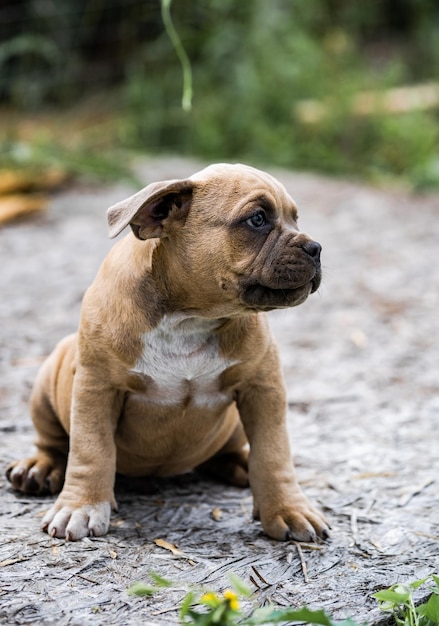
284	510
84	505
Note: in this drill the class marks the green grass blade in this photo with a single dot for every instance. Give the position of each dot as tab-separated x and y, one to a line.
186	102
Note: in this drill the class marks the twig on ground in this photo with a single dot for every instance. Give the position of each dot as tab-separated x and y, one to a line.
302	562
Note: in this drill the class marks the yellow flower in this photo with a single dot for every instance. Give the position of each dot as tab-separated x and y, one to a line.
210	599
232	599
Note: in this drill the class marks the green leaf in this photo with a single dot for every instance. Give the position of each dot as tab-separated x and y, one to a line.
394	597
418	583
436	580
140	589
186	605
260	616
240	586
307	615
294	615
431	609
160	581
218	614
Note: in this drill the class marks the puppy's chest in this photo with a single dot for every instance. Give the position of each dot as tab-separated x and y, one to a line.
181	357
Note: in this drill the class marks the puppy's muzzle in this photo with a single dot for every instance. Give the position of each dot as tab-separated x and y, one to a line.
288	277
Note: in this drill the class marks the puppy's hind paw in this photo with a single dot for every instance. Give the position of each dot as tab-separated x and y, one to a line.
229	467
88	520
38	475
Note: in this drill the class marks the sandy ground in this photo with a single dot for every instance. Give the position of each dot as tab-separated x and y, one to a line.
361	362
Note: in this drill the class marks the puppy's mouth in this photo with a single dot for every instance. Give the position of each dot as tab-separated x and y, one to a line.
261	297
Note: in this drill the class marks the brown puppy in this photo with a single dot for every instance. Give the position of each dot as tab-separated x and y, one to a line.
173	365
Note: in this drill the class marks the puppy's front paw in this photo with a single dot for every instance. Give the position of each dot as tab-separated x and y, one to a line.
73	523
297	520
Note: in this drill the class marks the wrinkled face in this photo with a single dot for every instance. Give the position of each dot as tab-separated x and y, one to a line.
230	241
261	256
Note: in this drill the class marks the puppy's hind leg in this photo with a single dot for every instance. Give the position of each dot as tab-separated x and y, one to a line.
230	464
44	472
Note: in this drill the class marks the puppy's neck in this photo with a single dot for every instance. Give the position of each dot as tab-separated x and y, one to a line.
185	293
192	327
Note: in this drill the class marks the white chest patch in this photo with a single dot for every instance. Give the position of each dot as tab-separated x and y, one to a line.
181	356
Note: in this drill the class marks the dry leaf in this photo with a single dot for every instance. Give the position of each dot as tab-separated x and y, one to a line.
117	523
420	97
365	475
162	543
358	338
10	562
113	554
12	181
354	566
217	514
17	206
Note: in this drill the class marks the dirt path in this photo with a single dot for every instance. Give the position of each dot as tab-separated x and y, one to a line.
361	361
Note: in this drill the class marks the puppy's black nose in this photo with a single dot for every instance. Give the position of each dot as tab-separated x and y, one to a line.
313	249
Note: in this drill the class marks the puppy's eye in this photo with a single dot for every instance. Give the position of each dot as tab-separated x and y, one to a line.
258	220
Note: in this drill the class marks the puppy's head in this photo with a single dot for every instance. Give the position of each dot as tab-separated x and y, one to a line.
231	232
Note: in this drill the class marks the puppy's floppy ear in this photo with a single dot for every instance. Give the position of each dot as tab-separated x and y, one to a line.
147	209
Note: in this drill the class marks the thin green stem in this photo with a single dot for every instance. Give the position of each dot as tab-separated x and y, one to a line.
414	618
186	101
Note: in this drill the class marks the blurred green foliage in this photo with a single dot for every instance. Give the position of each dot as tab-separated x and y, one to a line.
253	63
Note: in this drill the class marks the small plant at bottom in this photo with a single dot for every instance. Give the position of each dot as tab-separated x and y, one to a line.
398	600
210	608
